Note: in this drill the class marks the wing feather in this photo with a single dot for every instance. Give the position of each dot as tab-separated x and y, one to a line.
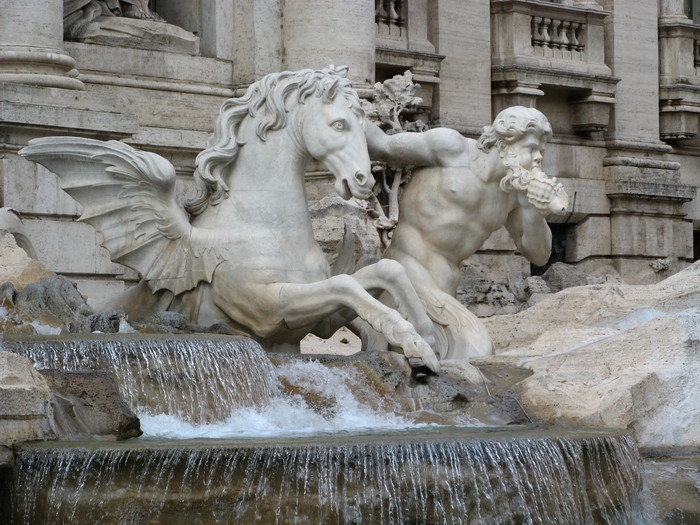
129	197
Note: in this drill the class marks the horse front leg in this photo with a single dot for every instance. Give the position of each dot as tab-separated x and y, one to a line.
386	276
307	304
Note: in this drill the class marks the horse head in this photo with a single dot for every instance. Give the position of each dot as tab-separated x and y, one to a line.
322	116
332	131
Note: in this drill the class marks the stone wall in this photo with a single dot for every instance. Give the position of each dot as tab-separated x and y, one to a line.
625	121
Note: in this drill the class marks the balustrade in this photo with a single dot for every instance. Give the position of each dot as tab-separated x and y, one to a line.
555	44
389	12
550	33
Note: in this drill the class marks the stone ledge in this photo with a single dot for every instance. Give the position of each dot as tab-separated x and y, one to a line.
648	189
79	121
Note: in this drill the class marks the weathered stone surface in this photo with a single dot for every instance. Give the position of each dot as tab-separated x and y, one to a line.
560	276
16	266
675	485
416	394
612	355
88	405
143	34
331	215
57	302
25	408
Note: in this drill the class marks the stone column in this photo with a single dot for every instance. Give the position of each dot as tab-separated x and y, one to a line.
322	32
31	45
650	235
257	40
460	30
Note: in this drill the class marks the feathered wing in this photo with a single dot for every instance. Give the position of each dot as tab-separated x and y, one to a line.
129	197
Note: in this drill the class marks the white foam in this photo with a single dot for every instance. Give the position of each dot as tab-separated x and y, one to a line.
290	414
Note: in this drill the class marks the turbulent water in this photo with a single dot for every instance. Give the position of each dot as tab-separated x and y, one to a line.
382	479
219	388
345	402
294	446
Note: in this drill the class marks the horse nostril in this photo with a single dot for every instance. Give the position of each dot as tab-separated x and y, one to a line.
361	178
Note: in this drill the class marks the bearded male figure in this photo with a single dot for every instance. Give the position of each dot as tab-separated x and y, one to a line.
465	191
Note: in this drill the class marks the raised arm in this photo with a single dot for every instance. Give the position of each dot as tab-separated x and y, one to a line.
436	147
532	236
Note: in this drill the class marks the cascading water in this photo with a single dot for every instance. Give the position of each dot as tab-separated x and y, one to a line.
198	380
336	471
454	476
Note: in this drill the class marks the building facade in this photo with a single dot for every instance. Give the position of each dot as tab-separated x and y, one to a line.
618	79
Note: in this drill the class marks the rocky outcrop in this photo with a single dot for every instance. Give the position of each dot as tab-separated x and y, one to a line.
87	405
52	404
389	383
15	265
611	355
487	290
52	305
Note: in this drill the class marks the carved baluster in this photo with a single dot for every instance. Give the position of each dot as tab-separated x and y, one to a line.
401	20
546	38
536	34
391	11
380	14
579	36
564	34
556	34
573	41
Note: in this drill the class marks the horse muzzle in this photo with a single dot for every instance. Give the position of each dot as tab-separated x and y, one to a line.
359	185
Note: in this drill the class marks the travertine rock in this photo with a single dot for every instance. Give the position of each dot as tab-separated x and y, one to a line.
16	266
88	405
25	401
560	276
612	355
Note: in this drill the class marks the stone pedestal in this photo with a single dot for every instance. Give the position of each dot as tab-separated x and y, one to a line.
31	45
650	237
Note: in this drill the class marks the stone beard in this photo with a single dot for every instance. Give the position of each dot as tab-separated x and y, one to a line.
540	190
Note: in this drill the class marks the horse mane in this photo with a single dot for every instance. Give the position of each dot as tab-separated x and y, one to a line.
266	100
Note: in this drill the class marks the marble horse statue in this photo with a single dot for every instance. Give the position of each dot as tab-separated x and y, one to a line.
243	252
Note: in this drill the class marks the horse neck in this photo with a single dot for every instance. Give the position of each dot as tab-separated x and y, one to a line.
275	165
267	179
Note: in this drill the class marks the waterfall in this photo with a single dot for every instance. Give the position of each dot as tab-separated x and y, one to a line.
458	476
194	379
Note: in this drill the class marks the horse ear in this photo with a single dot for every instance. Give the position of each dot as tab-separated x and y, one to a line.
341	71
333	90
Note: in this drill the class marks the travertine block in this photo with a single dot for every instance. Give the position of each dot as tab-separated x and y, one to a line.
25	405
100	291
32	189
70	247
590	237
632	235
152	64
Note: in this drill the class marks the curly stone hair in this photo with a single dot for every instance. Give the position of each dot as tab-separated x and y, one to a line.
511	124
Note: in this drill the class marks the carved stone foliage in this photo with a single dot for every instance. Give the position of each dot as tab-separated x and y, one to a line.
390	109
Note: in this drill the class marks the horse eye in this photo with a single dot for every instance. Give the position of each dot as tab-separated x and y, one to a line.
340	125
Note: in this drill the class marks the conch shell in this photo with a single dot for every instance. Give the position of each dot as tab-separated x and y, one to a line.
546	194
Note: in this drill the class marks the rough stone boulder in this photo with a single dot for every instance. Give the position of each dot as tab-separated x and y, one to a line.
611	355
52	305
87	405
16	266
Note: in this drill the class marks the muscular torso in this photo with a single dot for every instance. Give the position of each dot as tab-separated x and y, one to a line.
446	214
